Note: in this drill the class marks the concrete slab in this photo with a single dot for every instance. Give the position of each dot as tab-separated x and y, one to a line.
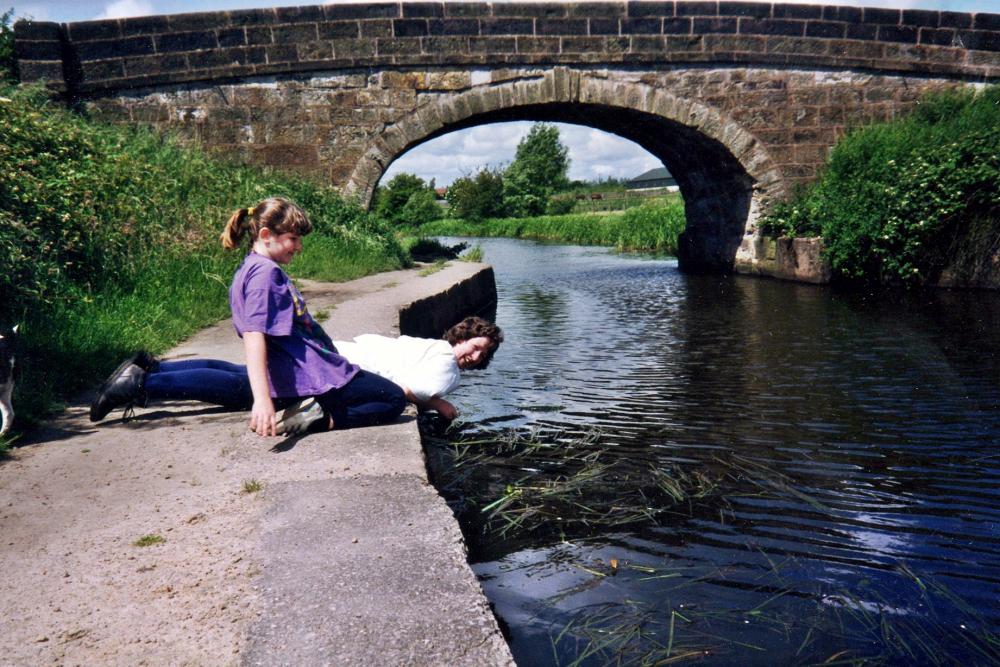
268	577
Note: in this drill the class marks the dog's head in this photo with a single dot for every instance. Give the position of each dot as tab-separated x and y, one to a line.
8	345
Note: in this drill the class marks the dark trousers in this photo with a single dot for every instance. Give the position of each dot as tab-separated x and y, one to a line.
366	400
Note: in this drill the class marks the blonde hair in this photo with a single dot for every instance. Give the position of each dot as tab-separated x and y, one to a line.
276	213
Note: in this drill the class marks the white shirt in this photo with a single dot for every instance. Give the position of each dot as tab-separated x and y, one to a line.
425	366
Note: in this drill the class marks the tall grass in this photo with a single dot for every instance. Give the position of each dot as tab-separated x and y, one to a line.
652	227
899	201
109	242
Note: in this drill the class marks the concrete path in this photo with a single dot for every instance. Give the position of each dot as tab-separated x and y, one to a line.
346	556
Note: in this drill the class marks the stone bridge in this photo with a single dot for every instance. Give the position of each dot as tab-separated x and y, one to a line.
740	101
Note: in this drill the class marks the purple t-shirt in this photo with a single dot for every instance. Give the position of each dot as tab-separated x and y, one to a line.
301	358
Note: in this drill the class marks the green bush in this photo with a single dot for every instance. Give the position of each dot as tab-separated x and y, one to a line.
406	200
477	197
897	198
8	64
560	205
109	241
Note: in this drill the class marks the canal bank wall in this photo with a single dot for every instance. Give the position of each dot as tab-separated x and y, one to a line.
180	538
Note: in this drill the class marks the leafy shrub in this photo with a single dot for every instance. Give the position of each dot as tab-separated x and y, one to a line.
8	64
477	197
896	197
560	205
406	200
539	169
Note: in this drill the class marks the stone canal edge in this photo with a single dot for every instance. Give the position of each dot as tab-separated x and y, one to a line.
328	549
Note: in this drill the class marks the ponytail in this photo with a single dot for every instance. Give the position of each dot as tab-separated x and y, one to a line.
277	214
236	228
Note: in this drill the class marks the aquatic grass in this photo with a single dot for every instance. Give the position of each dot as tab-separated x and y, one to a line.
567	480
473	254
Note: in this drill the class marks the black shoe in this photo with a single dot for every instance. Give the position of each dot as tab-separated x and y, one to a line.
146	361
124	387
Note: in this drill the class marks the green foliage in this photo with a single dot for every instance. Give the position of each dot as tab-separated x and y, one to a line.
8	64
109	242
407	200
473	254
477	197
897	198
560	205
652	227
539	169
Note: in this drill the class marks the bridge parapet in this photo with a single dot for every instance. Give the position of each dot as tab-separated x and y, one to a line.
91	57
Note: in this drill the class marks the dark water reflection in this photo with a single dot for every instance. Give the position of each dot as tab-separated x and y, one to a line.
857	512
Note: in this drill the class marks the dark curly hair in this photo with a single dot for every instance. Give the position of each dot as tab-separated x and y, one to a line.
474	327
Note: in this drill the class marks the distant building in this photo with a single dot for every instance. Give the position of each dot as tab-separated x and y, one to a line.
654	178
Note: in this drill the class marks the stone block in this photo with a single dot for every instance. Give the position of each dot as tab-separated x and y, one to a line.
642	26
882	16
376	28
354	48
937	36
507	26
538	44
492	45
411	80
338	29
888	33
829	29
91	30
458	46
448	80
680	43
300	14
606	10
453	26
186	41
410	27
293	155
38	50
847	14
316	50
955	20
232	37
295	33
546	10
466	9
115	48
921	18
790	28
798	46
545	27
158	64
252	17
583	44
600	26
282	53
103	70
374	10
37	30
979	40
714	25
797	12
398	45
259	36
33	70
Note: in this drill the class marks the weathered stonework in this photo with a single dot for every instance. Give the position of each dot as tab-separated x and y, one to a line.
740	101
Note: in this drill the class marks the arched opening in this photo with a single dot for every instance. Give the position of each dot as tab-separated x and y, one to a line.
721	169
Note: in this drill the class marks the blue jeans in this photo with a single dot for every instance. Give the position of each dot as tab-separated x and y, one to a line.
366	400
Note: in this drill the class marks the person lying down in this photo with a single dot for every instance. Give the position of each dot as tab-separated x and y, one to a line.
426	369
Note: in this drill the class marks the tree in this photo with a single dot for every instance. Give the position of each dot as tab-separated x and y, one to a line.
539	169
406	200
8	64
477	197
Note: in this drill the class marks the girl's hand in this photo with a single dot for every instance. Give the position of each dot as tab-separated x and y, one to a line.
444	408
262	418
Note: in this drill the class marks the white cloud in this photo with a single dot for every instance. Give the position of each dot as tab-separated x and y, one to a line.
593	154
124	8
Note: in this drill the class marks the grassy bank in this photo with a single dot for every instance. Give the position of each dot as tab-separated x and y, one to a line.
900	201
652	227
109	242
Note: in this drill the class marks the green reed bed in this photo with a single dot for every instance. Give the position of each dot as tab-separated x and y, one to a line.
109	242
652	227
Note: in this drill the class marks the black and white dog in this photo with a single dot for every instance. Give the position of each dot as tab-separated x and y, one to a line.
7	346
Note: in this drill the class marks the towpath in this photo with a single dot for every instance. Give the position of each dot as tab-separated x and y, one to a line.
346	556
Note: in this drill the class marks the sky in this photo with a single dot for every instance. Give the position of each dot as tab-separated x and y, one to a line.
593	154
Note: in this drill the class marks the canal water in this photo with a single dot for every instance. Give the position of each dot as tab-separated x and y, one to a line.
659	467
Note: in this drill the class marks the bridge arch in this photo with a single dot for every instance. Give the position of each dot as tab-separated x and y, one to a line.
723	171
